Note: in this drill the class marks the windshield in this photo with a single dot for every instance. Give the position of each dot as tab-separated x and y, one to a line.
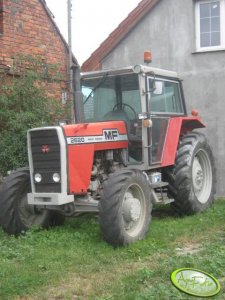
111	98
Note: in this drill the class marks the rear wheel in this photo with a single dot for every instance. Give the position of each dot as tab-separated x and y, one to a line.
15	213
192	180
125	207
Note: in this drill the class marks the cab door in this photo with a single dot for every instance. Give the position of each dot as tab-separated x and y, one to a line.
131	105
165	101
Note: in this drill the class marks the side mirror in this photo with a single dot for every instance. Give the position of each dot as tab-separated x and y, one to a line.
158	90
156	86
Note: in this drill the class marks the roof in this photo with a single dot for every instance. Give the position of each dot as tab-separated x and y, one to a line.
136	15
131	69
51	17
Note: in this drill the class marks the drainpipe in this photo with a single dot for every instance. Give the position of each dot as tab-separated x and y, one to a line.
74	76
70	61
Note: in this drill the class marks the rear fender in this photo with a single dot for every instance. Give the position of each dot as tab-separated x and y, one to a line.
177	127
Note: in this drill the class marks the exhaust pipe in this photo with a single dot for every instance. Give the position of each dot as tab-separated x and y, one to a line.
78	106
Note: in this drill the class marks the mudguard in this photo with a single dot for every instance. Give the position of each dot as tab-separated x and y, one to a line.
177	126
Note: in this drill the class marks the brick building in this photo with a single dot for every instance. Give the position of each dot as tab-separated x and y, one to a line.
27	27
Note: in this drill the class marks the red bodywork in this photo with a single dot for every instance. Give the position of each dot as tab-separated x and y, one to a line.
83	140
177	126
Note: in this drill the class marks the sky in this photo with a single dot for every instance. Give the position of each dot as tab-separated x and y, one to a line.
92	21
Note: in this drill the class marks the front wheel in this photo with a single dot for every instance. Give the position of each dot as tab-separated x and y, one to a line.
16	215
125	208
192	181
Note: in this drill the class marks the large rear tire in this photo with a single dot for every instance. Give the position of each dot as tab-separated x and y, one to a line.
125	207
192	180
16	215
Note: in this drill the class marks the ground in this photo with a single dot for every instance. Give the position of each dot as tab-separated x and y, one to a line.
72	262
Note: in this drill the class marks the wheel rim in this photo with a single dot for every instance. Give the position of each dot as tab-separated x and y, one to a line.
29	214
133	210
202	176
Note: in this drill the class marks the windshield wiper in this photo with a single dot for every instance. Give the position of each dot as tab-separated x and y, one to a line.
97	86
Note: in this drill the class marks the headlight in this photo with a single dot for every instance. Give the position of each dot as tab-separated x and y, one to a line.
37	177
56	177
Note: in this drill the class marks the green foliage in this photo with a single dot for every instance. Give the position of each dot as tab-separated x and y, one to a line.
72	262
24	104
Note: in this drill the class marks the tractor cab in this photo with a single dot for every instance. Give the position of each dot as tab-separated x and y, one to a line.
145	98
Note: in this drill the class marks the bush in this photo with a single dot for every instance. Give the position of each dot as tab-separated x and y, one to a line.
23	105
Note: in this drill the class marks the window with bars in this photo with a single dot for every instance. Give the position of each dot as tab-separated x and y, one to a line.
210	25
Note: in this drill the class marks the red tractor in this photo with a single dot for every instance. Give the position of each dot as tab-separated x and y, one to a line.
132	146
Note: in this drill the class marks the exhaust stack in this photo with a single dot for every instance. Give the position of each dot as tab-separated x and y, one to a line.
77	96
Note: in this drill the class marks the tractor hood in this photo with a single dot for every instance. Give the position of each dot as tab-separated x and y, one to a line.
83	140
103	135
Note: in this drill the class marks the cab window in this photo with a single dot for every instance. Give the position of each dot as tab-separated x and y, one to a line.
111	98
165	96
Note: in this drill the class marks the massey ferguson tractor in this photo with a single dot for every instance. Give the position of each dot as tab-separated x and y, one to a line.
132	146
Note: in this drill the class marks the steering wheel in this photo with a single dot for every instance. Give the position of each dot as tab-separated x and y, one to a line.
115	107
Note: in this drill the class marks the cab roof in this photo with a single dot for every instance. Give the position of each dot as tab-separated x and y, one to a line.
132	69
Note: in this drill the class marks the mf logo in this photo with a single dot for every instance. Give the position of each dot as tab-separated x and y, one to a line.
45	148
111	134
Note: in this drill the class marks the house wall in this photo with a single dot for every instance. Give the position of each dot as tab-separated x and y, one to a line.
28	30
169	32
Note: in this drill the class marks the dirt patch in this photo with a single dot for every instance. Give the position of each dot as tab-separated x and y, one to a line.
189	249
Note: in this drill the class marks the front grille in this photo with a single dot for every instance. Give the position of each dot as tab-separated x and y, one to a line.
45	149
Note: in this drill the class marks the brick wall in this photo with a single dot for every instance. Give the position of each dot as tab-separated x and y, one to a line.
29	30
1	16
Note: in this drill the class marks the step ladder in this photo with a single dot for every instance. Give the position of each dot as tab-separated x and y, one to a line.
159	193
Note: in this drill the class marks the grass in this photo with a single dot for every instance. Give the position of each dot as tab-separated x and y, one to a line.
72	262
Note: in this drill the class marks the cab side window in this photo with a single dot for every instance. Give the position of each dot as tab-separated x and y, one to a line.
166	97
